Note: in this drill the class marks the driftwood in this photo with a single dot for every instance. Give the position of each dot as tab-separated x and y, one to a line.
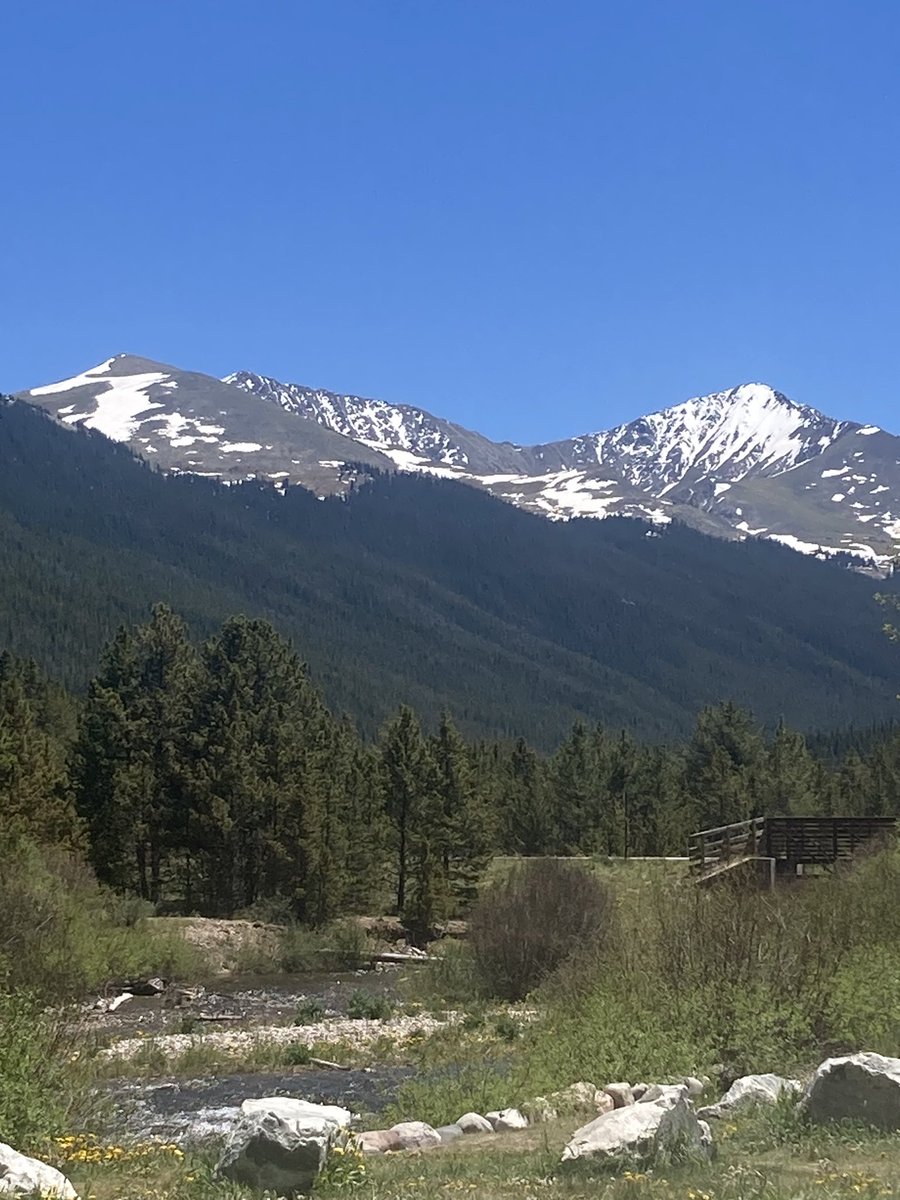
217	1017
395	956
328	1066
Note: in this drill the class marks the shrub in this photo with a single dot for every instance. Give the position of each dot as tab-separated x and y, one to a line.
62	934
525	925
309	1010
366	1006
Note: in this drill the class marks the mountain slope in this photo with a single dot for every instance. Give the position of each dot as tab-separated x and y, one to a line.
739	463
427	591
185	421
682	462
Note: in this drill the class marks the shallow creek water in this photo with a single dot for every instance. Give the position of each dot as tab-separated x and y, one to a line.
193	1110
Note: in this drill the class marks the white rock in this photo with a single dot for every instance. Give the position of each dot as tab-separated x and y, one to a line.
860	1087
749	1090
24	1176
280	1155
665	1094
507	1119
472	1122
620	1093
694	1086
415	1135
640	1132
291	1108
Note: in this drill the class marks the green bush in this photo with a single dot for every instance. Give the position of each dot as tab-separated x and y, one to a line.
309	1011
527	924
367	1006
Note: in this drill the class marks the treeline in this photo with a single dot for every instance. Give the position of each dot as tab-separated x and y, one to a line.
214	779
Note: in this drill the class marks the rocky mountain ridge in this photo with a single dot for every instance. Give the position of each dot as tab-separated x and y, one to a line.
743	462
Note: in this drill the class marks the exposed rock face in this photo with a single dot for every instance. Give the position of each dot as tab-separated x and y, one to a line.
859	1087
641	1132
24	1176
282	1155
749	1090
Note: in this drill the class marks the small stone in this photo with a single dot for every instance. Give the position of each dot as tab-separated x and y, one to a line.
472	1122
378	1141
449	1133
416	1135
506	1120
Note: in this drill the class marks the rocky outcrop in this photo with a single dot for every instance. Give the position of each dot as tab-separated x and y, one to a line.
858	1087
24	1176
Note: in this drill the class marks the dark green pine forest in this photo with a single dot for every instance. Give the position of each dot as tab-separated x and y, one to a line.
232	701
432	594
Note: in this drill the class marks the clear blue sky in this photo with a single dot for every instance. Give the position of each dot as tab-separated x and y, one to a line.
536	217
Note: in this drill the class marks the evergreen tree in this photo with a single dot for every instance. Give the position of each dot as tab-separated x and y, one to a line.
465	833
723	765
577	790
789	780
128	759
33	792
408	777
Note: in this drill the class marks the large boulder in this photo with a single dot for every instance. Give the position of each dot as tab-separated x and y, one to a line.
290	1108
279	1154
640	1133
860	1087
750	1090
24	1176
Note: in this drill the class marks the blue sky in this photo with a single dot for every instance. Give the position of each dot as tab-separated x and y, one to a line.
536	218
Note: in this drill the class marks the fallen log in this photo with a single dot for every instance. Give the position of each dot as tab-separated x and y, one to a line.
328	1066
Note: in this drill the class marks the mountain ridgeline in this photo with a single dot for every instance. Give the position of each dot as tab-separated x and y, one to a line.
745	462
409	589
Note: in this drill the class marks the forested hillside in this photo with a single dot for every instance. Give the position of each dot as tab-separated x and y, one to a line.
428	593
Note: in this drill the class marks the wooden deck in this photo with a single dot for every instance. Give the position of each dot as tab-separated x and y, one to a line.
784	843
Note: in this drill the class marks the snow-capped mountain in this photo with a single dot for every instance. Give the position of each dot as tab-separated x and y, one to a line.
737	463
186	421
747	461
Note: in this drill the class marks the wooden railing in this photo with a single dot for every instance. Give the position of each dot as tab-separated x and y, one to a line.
786	841
711	848
821	840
